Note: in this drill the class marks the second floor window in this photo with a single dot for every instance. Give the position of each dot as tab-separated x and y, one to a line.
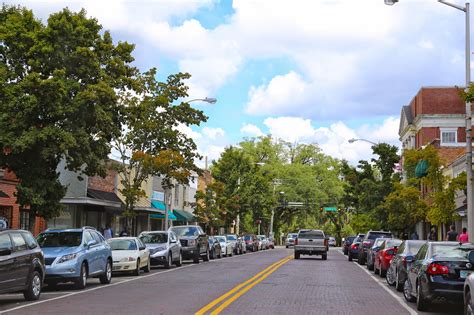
448	136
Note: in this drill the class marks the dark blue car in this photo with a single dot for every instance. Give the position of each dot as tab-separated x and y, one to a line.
353	251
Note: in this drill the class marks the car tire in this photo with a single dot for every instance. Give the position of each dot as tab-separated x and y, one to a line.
468	307
361	261
382	273
407	291
81	282
148	265
136	272
349	257
169	261
196	256
421	302
106	277
297	255
390	277
398	285
179	262
213	254
206	257
33	291
324	256
376	270
286	246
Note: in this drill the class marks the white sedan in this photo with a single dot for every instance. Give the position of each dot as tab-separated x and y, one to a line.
226	245
129	255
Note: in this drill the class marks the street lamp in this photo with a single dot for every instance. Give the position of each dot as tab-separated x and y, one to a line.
209	100
354	140
470	208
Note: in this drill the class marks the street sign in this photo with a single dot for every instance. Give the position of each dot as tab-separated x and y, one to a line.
330	209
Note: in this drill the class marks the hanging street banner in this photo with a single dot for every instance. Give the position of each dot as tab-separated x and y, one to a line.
330	209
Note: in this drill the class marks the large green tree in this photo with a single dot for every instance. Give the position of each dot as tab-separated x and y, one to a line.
59	84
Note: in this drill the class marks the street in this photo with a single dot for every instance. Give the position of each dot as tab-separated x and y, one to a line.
278	285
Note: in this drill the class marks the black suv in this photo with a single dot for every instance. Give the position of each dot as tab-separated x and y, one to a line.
21	264
194	242
368	242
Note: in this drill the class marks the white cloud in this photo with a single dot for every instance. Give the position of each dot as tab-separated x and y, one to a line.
427	44
290	129
251	130
213	133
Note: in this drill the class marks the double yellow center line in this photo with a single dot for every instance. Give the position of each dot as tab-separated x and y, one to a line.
241	289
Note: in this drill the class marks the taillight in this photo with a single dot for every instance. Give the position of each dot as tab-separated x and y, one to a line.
437	269
326	242
354	246
296	241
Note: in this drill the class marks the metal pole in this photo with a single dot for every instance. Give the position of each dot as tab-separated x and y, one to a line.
470	208
166	208
273	213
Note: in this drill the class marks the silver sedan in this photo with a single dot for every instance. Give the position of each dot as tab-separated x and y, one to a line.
165	248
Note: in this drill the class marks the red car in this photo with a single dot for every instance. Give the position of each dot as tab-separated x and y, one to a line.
387	251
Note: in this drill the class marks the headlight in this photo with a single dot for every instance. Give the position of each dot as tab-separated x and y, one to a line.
126	259
67	258
191	242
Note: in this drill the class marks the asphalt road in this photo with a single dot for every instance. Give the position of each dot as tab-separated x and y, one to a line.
267	282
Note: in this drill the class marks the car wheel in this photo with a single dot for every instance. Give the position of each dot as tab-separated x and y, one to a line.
349	257
286	246
398	285
206	257
324	256
33	291
361	261
148	265
196	256
179	262
382	273
468	307
136	272
106	277
376	270
421	303
81	282
169	261
297	255
407	291
213	254
390	277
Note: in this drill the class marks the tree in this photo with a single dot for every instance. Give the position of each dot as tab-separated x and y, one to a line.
58	83
150	143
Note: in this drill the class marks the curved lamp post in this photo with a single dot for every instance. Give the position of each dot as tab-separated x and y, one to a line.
210	100
470	208
354	140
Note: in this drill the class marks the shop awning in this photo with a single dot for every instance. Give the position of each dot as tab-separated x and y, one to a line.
158	205
421	169
184	216
171	216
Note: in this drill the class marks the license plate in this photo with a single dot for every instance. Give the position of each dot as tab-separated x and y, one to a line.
464	273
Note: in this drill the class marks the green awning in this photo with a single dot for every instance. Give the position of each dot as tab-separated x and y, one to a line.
171	216
421	169
184	216
158	205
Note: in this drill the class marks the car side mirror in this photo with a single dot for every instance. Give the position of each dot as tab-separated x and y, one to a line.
91	243
203	235
471	257
409	259
142	248
173	241
5	251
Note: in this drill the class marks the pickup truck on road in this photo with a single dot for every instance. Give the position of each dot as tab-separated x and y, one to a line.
311	242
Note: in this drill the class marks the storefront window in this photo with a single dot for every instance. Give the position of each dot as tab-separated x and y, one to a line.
24	220
65	219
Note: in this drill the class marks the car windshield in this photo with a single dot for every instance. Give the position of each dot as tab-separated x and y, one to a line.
378	243
350	239
393	243
373	236
247	237
60	239
311	234
231	238
154	238
220	238
448	251
185	231
122	244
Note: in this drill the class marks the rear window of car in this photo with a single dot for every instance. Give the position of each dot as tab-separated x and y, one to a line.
414	247
373	236
392	243
448	251
231	237
311	234
248	237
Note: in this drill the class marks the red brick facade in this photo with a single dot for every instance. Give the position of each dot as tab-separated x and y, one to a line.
437	101
106	184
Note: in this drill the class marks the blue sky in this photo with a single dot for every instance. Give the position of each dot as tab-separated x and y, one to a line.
307	71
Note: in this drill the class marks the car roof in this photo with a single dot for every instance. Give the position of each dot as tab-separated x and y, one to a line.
123	238
154	232
64	230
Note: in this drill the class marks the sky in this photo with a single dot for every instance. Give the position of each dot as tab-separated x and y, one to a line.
310	71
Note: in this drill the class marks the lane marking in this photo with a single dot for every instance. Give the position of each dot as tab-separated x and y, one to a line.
159	272
247	288
384	286
240	286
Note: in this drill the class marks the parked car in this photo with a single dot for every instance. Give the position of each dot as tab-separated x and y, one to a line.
368	242
353	252
468	287
73	255
372	252
215	248
262	245
387	250
129	255
332	241
271	243
347	243
164	247
251	242
290	239
438	271
242	245
311	242
232	238
21	264
397	272
226	245
194	242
